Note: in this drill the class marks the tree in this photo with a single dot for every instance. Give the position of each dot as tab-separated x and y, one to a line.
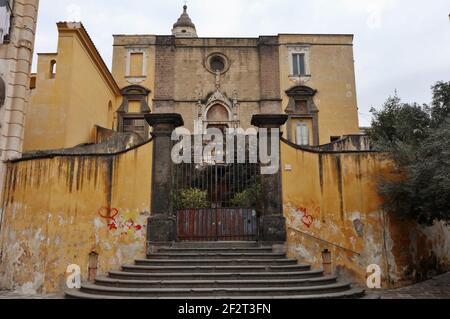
440	105
417	140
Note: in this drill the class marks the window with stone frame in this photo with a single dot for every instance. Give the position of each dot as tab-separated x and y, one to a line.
135	125
299	56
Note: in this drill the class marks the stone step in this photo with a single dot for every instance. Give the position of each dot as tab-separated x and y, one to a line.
217	292
111	282
214	262
229	250
216	276
202	269
217	244
216	256
348	294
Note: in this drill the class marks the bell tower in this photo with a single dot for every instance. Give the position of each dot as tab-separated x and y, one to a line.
184	28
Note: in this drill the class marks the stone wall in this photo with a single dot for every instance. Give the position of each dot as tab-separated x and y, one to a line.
57	210
331	202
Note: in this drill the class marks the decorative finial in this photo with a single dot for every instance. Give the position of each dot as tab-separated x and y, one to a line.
218	74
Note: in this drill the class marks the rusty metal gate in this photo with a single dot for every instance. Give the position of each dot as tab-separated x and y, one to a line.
216	201
217	224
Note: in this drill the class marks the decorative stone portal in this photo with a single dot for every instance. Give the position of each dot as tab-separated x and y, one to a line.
210	200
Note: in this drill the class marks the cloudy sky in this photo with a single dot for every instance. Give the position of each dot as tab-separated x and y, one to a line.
401	45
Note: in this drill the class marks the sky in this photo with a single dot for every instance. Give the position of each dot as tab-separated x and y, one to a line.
400	46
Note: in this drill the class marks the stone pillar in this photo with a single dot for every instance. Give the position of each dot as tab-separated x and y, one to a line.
272	224
161	229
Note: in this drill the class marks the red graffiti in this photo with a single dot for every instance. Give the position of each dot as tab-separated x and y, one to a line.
130	224
307	219
110	215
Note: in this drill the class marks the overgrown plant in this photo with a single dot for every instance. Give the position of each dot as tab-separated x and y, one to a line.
417	140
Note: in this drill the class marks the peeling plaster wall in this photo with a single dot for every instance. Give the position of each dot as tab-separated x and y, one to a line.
331	198
57	210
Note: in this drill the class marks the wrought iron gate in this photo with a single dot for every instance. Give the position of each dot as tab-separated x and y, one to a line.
216	201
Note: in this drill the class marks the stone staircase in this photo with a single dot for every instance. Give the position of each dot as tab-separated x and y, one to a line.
232	270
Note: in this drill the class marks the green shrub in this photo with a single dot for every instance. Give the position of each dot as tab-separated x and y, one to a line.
190	198
249	198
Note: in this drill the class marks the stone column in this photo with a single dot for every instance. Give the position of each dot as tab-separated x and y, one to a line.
161	229
272	224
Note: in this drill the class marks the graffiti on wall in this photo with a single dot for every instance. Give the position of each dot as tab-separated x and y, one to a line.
306	218
125	223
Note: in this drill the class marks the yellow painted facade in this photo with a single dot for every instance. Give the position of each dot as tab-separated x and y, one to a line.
66	106
331	72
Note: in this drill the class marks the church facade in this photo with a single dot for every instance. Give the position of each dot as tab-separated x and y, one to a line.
213	81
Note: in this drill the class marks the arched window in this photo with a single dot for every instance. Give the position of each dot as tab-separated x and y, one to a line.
52	69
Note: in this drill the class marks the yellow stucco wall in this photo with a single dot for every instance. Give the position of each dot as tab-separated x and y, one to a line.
57	210
64	110
334	199
332	74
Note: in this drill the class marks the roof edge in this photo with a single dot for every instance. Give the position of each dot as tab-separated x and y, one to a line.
83	35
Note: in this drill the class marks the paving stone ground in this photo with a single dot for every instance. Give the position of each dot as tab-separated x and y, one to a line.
436	288
14	295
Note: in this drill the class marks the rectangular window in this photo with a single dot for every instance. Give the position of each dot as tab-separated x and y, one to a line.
136	125
5	19
134	106
136	64
302	134
298	63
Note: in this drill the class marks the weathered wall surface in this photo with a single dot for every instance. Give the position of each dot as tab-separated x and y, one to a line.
331	198
58	210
